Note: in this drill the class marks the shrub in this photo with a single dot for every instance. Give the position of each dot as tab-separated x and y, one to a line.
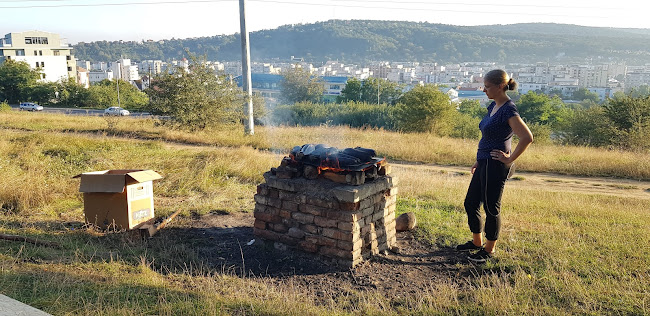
4	107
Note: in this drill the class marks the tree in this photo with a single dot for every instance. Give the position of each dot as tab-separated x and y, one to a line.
425	109
540	108
195	99
16	78
351	92
588	126
626	111
72	94
371	91
472	108
104	94
640	91
583	94
298	85
41	92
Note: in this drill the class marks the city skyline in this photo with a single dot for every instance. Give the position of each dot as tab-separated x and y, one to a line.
135	20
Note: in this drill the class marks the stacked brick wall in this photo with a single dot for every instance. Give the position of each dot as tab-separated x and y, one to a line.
348	224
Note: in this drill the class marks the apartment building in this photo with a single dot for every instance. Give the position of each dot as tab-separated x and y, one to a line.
124	70
40	50
150	67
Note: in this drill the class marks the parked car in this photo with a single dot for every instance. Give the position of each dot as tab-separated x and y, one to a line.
30	106
115	110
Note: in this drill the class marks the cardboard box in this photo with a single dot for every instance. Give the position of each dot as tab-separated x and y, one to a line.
120	197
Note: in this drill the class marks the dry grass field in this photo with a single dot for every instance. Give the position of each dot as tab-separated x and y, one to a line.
571	244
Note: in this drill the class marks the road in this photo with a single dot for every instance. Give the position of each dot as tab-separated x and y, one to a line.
87	112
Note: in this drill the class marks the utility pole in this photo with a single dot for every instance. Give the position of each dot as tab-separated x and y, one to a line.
249	127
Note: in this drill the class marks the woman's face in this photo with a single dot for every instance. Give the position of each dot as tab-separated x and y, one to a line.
491	90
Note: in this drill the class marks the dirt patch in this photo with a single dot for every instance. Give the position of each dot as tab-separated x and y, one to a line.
226	243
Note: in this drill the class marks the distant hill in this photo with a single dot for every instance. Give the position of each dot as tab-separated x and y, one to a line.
359	41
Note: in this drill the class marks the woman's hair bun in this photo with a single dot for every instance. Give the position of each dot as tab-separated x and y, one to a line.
512	84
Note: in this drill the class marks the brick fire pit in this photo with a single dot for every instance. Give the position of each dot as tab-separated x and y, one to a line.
345	223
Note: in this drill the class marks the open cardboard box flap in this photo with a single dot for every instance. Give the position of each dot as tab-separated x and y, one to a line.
114	181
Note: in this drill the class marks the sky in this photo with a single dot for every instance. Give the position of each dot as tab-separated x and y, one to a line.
96	20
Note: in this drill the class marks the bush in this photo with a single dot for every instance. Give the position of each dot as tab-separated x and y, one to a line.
4	107
466	126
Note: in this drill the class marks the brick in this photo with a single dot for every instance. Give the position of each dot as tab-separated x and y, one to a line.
266	234
288	240
348	226
340	235
377	216
296	233
321	240
309	229
289	206
262	189
313	210
349	245
274	193
287	196
380	232
278	227
308	246
335	252
259	224
348	206
367	229
284	214
326	203
275	202
260	199
367	211
343	216
303	218
367	202
269	218
325	222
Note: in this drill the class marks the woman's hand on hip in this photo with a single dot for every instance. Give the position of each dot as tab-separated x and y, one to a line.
500	156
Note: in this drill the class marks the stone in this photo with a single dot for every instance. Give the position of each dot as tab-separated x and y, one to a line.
405	222
296	233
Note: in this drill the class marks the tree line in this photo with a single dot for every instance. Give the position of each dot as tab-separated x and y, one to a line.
200	99
621	121
362	41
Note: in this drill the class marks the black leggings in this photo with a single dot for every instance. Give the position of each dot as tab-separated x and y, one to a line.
486	187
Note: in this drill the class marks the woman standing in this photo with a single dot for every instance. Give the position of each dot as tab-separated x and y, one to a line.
493	162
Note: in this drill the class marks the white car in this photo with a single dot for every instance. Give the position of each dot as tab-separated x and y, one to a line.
118	111
30	106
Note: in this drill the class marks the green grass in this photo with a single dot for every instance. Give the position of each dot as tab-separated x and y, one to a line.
559	253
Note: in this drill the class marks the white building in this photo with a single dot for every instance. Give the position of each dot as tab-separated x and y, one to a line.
150	67
124	70
40	50
83	77
99	75
636	79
